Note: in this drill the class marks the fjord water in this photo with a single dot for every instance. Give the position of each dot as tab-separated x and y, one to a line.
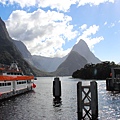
40	105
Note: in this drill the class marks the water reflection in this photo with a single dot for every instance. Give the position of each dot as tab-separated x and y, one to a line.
57	102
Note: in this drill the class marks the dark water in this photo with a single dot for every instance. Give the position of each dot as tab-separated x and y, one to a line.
39	105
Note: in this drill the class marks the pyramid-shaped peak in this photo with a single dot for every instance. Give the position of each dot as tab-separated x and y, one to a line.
81	46
82	42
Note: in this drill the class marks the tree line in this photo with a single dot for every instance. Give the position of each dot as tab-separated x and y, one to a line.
99	71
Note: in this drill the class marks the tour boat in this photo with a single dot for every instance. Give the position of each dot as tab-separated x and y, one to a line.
13	81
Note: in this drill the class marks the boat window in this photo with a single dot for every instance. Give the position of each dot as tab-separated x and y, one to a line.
1	84
28	81
21	82
5	84
19	73
9	84
11	73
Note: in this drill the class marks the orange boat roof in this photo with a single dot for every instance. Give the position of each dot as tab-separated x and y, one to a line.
13	78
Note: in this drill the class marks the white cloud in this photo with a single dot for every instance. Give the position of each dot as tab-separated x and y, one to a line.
87	36
93	2
112	25
83	27
21	3
91	31
62	5
43	32
105	23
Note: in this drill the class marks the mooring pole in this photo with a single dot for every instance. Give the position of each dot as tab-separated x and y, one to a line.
87	101
57	88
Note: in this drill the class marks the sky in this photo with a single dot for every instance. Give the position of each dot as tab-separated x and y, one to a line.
52	27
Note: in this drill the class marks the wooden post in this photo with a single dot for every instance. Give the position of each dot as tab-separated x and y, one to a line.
113	75
109	84
79	100
94	100
87	101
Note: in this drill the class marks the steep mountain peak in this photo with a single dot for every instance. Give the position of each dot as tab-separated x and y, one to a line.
81	41
1	22
3	30
82	48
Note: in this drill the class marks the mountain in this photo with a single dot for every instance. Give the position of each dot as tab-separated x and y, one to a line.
42	63
9	52
22	48
77	58
24	51
46	63
73	62
12	50
52	64
3	31
82	48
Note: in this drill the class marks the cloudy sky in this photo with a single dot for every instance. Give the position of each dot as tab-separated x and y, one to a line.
52	27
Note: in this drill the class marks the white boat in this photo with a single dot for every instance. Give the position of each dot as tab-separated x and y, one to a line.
13	81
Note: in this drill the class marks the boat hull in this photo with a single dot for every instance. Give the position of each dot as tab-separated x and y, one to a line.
9	94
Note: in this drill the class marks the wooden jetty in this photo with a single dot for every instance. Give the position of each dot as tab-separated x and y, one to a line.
87	101
113	83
